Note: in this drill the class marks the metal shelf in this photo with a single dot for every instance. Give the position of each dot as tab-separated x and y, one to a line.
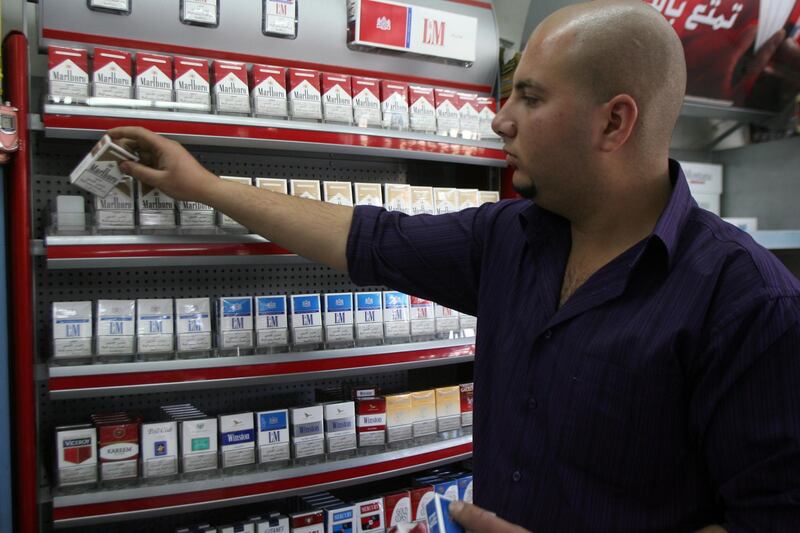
225	490
788	239
124	251
98	380
82	122
703	108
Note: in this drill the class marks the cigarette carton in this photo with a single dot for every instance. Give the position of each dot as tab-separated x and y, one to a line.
273	435
447	488
274	523
306	319
370	515
195	214
118	444
193	324
237	440
488	197
397	508
308	189
340	426
394	105
115	209
447	112
72	330
99	171
467	198
115	327
703	178
368	194
156	209
308	522
446	321
439	520
468	116
76	455
445	199
338	192
398	197
486	113
371	421
340	519
423	321
448	408
155	325
192	82
337	98
305	100
465	488
271	321
423	406
269	91
235	322
159	449
112	73
307	434
468	324
396	315
199	444
420	497
278	185
339	318
231	91
67	71
422	200
366	102
422	109
369	316
153	77
399	417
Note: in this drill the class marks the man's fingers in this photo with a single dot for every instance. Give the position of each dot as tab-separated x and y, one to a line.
141	172
479	520
137	138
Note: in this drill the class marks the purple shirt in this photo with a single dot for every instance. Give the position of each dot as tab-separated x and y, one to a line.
663	396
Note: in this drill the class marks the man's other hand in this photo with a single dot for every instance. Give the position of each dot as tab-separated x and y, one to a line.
478	520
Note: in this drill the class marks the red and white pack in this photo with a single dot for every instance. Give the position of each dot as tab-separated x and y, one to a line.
118	448
487	107
366	102
231	91
269	91
153	77
394	104
447	112
112	73
397	508
371	421
468	115
67	71
420	497
337	98
466	391
192	85
305	99
421	109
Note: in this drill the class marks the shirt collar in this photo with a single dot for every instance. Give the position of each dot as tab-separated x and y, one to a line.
538	223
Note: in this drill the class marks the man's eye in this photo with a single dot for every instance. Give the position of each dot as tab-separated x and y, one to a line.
531	100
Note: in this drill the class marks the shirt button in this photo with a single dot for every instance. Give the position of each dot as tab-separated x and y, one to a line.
548	333
532	403
516	476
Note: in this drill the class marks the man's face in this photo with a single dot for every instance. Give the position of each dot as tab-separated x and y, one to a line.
543	125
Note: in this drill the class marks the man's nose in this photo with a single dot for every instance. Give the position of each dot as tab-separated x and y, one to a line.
503	125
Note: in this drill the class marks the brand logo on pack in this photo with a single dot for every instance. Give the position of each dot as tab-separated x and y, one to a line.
119	451
384	24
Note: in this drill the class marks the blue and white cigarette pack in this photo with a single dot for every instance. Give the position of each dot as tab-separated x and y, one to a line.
155	325
308	438
306	319
340	426
439	520
340	519
237	440
72	330
271	321
369	316
396	315
447	488
273	436
339	317
235	317
193	324
159	449
115	327
465	488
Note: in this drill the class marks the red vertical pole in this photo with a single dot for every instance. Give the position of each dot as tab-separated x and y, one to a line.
23	422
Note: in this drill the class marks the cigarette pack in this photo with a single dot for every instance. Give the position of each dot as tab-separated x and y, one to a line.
339	318
439	520
447	488
280	18
195	214
193	324
337	98
76	455
199	444
70	213
397	508
703	178
156	209
237	439
394	104
278	185
305	101
115	209
271	321
274	523
447	112
269	91
307	435
72	330
421	111
200	13
396	315
445	200
338	192
369	316
468	324
340	426
420	497
273	436
231	91
242	527
488	197
448	408
115	327
153	77
159	449
370	515
423	322
112	73
486	113
308	189
468	116
398	197
399	417
118	447
366	102
99	171
466	392
371	421
67	71
306	319
467	198
423	407
308	522
422	200
340	519
465	488
235	317
192	83
446	321
155	325
368	194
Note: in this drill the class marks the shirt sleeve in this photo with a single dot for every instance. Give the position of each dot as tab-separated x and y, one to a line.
436	257
748	408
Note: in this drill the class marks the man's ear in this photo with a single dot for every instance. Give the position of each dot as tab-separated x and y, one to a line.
617	118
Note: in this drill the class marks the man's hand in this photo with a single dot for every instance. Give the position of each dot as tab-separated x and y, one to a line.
165	165
478	520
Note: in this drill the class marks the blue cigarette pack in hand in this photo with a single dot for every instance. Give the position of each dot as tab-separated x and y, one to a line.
439	520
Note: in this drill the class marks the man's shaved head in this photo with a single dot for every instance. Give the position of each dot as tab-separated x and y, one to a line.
611	47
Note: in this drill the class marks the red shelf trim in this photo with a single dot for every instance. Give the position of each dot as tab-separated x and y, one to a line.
254	370
167	48
118	251
108	508
363	140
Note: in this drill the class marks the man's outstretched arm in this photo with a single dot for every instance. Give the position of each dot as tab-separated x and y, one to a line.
315	230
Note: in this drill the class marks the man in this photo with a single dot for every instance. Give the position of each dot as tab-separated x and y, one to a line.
636	366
